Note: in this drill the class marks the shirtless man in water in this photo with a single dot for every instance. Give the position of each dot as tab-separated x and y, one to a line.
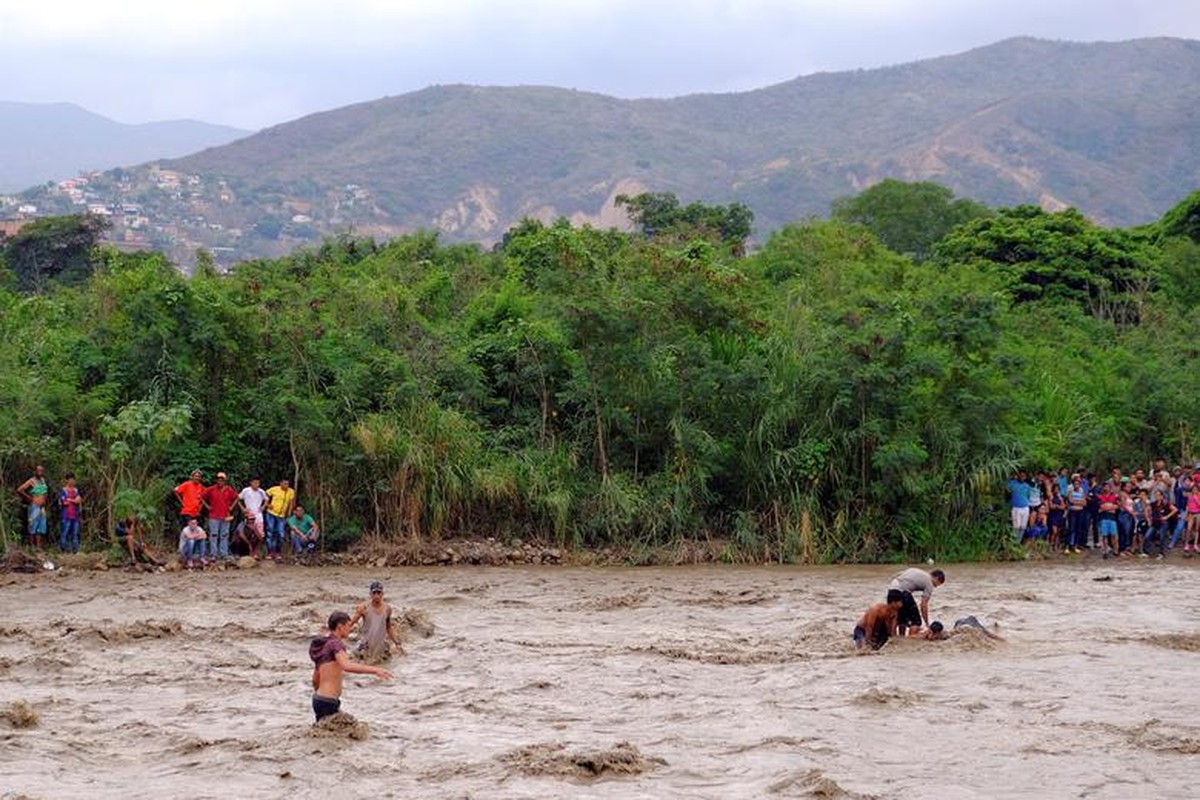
330	663
881	621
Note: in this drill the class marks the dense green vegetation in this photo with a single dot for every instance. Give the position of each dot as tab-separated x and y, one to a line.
824	398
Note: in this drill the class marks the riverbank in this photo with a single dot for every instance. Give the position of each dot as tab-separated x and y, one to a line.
489	551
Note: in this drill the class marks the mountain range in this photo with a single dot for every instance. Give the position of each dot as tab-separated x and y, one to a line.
1110	128
40	142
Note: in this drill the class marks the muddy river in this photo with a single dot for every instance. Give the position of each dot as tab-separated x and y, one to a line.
606	683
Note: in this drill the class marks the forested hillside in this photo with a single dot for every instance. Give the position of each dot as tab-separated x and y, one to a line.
825	398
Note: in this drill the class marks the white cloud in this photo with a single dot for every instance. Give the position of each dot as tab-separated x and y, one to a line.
255	62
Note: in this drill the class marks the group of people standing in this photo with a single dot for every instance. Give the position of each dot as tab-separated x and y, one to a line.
1118	514
268	517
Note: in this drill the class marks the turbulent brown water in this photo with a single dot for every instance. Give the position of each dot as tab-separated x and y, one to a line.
617	683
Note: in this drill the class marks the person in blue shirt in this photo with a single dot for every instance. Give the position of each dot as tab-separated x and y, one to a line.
1019	489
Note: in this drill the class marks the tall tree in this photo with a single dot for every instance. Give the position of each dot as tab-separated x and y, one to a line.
908	217
54	248
660	214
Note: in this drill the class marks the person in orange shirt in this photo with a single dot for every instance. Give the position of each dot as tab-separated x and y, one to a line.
191	497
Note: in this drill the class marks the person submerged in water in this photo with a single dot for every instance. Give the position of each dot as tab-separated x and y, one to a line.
937	631
880	622
330	663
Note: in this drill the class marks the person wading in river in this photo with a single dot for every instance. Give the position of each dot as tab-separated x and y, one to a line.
330	663
880	622
377	630
916	580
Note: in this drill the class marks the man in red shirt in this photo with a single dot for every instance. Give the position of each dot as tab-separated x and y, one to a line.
220	499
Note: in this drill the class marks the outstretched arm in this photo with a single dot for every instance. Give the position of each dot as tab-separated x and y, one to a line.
361	669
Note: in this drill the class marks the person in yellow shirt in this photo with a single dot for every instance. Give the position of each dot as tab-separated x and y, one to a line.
280	499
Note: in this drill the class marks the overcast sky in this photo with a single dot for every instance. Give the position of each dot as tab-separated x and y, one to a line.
255	63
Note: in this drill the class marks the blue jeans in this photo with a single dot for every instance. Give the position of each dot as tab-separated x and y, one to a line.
1159	531
193	549
68	535
1077	528
300	546
218	538
274	532
1125	527
1180	527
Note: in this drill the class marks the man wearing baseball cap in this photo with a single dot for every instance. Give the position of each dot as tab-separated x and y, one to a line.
220	499
377	628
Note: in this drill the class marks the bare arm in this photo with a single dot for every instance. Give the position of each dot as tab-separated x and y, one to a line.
361	669
24	494
391	631
925	609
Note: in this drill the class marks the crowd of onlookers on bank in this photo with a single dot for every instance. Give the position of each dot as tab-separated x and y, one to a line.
1146	513
217	522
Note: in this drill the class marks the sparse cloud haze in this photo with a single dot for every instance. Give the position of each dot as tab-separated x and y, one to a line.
254	63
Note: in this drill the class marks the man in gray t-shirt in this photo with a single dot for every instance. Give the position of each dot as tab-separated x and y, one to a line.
916	580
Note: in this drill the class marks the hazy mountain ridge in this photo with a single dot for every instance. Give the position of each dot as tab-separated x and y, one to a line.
1110	128
40	142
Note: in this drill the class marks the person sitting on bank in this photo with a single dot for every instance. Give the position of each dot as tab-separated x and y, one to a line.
303	530
128	535
880	622
330	663
377	627
916	580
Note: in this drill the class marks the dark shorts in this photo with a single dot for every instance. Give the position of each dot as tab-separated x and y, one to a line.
325	706
910	613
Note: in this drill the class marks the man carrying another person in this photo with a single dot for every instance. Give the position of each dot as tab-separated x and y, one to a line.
916	580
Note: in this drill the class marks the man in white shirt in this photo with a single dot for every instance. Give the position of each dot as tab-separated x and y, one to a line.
916	580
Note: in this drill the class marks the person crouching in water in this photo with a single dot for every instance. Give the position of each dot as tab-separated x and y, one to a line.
330	663
881	622
377	629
